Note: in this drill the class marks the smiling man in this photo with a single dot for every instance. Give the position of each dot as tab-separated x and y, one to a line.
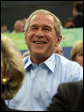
44	70
41	37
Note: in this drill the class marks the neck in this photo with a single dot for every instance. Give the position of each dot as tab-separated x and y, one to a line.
38	60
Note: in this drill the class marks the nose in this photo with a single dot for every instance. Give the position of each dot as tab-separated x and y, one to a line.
39	33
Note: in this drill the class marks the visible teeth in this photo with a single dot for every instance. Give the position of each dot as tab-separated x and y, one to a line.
37	42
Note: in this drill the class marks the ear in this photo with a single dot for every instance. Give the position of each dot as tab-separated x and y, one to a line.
59	38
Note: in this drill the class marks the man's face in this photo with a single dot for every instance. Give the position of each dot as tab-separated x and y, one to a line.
41	36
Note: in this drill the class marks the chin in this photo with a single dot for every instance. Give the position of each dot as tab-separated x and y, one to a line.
39	55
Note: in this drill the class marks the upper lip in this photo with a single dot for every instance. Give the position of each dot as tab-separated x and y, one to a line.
39	41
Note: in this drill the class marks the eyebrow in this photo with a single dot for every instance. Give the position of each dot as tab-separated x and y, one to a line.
35	25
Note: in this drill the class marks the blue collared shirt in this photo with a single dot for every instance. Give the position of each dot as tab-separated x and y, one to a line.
41	82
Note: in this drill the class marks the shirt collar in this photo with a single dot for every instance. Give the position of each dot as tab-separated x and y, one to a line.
27	62
50	62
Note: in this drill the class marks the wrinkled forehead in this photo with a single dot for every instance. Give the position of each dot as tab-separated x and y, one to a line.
42	15
47	18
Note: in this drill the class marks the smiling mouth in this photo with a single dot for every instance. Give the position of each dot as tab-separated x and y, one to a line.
39	42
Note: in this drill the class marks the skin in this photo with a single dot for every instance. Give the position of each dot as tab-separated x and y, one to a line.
19	27
4	28
75	12
58	50
79	58
41	29
68	24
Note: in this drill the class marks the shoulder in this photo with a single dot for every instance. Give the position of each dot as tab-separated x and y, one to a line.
64	61
78	20
73	87
70	67
61	59
80	15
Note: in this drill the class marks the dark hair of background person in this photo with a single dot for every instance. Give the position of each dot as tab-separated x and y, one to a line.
78	5
78	14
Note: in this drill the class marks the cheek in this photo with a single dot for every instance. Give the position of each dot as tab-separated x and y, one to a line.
81	59
29	41
52	38
29	37
54	42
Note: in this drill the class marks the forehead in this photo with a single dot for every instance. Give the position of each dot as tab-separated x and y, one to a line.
80	52
19	24
42	19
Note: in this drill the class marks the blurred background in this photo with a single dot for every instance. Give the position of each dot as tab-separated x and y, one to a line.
15	13
14	10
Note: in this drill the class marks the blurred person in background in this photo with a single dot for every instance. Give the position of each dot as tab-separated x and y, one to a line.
12	71
44	69
77	52
18	26
58	49
78	14
69	23
24	20
4	28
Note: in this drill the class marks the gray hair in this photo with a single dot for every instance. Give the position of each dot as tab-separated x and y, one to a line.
58	25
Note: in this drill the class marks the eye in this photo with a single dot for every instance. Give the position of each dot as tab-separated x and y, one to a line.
80	54
47	29
33	28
